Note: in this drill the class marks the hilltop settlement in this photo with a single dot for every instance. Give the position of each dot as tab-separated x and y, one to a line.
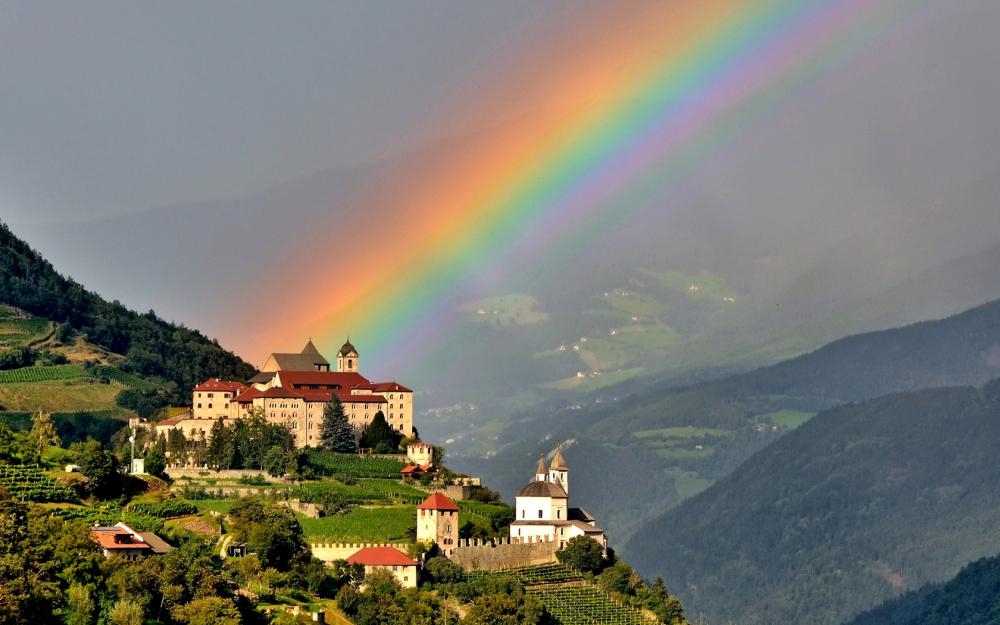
301	493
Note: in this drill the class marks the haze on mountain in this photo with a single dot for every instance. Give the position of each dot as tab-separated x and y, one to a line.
643	447
860	504
876	174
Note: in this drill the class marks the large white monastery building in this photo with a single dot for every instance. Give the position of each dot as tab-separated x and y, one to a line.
542	507
293	389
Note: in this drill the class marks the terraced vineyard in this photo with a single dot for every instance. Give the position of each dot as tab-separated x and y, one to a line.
41	374
110	515
586	605
353	465
364	492
363	525
30	483
480	513
539	574
125	380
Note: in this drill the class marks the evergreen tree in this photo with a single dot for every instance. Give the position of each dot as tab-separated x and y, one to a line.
218	441
177	447
155	461
380	436
335	433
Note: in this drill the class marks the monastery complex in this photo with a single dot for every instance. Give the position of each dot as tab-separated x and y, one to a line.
293	389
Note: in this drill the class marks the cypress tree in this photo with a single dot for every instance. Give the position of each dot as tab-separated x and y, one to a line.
335	433
215	455
380	436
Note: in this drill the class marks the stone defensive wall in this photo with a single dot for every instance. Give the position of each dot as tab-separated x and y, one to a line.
492	555
328	552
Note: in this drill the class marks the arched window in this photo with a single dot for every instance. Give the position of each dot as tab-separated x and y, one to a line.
350	363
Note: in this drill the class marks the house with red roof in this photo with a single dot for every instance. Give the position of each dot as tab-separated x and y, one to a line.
122	541
401	566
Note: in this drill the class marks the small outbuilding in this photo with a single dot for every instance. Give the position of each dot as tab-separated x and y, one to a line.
400	565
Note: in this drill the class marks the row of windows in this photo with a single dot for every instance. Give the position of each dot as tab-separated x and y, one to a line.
558	513
211	395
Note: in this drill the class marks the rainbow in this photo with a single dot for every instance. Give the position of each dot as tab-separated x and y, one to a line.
626	99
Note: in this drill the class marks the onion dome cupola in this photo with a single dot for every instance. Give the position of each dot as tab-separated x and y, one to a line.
347	357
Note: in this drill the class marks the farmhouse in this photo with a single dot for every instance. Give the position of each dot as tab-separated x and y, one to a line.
123	541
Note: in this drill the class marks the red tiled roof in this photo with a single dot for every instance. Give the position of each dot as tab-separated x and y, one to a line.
221	385
362	399
381	556
384	387
438	501
106	539
343	379
247	396
410	469
275	392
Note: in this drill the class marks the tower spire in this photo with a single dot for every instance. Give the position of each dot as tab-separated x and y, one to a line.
542	472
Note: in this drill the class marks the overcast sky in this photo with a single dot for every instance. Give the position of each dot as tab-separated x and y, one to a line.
262	118
127	106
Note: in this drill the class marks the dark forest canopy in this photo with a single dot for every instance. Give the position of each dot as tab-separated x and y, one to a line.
968	599
152	347
856	506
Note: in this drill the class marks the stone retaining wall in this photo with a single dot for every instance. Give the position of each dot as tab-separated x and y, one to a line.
475	555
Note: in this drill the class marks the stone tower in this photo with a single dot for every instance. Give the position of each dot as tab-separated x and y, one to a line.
347	358
437	521
558	471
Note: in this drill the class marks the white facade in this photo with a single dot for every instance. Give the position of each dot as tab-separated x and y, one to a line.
542	508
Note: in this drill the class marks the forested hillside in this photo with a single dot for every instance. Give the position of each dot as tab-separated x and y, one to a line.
151	346
968	599
685	437
859	504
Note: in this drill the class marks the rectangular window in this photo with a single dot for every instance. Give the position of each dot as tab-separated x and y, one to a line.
539	514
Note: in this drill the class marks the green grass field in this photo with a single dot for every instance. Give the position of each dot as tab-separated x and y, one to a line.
593	383
684	431
514	309
700	286
221	506
59	396
789	419
688	484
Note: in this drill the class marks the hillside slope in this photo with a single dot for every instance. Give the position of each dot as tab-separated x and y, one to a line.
970	598
859	504
680	439
151	347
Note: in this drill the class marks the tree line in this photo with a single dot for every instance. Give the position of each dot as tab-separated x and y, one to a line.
152	347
